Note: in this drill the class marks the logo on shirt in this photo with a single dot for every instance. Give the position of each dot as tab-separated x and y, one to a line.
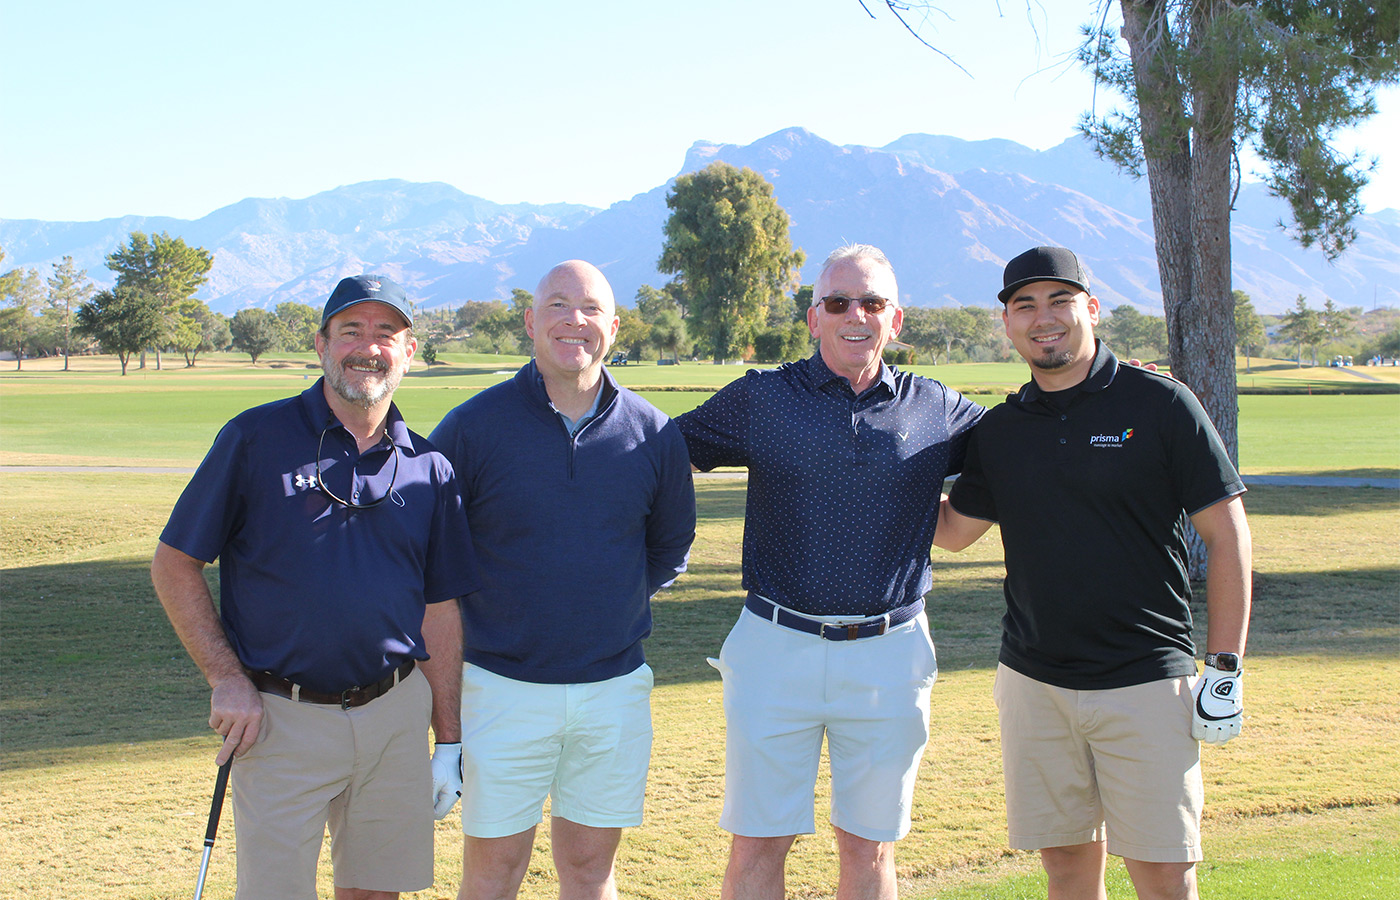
1110	440
304	482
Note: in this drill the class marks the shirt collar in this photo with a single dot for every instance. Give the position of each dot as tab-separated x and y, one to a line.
820	375
319	414
1101	375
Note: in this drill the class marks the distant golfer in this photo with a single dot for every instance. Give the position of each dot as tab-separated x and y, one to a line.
581	504
1093	470
342	546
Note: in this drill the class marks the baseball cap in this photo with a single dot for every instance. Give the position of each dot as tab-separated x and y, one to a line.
360	288
1042	264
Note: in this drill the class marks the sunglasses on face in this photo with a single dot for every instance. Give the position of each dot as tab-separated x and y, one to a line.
837	306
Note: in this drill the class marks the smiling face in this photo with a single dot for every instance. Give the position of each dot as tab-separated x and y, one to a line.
851	343
573	322
1051	324
365	351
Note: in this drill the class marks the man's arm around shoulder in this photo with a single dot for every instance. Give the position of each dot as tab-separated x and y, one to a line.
956	531
235	707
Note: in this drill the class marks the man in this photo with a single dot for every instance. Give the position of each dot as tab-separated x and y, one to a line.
581	504
846	459
1093	470
342	546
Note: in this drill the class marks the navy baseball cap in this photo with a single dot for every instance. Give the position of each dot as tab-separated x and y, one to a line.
360	288
1042	264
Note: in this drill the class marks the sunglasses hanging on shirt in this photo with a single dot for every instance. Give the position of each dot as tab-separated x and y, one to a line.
350	504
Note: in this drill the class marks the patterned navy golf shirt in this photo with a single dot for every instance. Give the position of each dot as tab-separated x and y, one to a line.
843	490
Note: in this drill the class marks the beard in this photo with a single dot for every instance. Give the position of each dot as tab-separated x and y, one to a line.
370	391
1054	359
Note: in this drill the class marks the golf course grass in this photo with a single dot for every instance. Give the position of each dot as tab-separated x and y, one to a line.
106	759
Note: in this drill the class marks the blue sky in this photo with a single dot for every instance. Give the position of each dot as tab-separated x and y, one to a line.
179	108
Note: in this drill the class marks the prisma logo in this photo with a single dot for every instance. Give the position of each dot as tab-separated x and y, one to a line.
1110	440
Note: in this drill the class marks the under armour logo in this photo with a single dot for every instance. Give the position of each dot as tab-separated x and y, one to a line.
304	481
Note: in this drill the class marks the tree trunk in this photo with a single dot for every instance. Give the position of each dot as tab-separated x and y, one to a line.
1189	170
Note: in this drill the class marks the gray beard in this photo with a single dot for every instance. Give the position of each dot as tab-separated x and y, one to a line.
367	396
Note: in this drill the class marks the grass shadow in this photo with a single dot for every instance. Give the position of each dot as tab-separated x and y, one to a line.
90	658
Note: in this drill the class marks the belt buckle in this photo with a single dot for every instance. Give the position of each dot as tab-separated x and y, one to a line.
345	696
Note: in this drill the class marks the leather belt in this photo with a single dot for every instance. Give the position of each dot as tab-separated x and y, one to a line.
831	631
347	699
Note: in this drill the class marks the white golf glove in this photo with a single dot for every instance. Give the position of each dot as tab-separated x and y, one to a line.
447	777
1219	707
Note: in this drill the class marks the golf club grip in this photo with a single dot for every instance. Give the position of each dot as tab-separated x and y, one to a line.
217	805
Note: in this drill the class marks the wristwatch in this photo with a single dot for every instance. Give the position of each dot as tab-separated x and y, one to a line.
1223	662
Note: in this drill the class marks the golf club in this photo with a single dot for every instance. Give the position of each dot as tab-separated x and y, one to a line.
220	784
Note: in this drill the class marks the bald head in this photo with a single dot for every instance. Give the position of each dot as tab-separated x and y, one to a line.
575	279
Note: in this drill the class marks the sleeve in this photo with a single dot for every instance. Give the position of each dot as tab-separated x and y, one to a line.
211	508
963	416
971	495
670	528
450	568
1200	465
716	431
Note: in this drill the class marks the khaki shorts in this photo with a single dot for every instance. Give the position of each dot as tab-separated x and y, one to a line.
585	746
1117	764
365	771
784	690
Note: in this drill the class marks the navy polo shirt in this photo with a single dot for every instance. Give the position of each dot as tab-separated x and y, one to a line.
312	591
1093	488
843	490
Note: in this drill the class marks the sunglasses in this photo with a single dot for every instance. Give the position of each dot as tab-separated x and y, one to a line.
350	504
837	306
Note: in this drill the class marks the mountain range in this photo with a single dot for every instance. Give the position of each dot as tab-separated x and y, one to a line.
947	212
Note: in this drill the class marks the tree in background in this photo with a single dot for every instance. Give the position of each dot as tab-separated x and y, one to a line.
1133	334
1339	323
1201	79
22	293
1249	328
123	320
198	329
727	242
1303	328
633	334
69	289
164	268
255	332
661	310
299	324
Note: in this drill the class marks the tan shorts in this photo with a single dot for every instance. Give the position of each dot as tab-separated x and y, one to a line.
1119	764
365	771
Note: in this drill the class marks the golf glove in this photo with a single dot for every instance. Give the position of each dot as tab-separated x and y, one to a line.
447	777
1219	707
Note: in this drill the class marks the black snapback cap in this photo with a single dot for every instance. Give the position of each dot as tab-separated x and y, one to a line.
1043	264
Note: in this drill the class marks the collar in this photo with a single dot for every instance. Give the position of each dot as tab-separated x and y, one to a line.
531	385
1101	375
320	417
819	375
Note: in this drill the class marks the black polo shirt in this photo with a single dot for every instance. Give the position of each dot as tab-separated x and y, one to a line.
1093	488
843	489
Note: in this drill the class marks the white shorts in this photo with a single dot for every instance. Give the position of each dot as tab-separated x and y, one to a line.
784	690
586	746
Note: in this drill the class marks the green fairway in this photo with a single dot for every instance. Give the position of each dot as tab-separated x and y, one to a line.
169	418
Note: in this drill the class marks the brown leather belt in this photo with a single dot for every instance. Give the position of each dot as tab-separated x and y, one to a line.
348	699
